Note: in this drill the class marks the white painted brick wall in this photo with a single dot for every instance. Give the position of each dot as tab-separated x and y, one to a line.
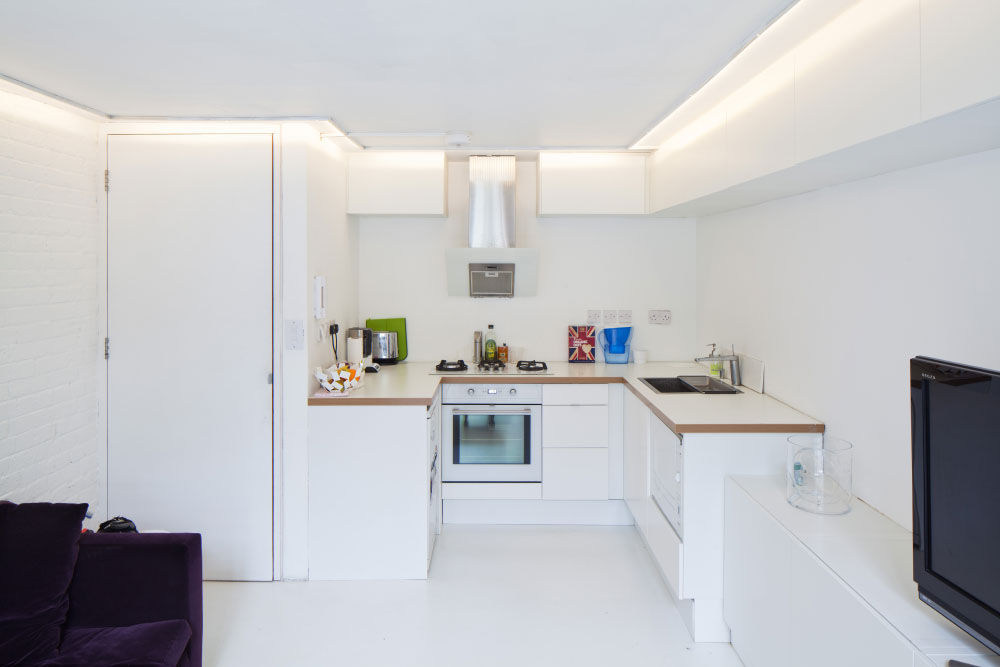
48	303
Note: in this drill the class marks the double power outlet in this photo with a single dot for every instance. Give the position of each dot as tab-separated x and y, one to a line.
609	317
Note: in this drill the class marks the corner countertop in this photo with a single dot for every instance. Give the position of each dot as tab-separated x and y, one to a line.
412	383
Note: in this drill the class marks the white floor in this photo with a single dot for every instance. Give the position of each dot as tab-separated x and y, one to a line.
497	595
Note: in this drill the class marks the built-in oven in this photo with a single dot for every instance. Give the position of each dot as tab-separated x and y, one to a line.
492	432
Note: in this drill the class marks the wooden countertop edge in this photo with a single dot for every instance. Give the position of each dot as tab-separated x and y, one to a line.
426	402
528	379
724	428
520	379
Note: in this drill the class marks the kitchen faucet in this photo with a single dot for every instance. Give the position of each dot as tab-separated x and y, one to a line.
735	376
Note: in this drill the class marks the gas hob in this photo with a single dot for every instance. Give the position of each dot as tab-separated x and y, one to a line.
496	369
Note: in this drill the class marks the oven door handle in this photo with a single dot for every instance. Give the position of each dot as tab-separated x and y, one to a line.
525	411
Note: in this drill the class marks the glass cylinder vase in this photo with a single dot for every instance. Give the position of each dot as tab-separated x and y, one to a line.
819	471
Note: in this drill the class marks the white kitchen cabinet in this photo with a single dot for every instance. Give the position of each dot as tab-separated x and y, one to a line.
959	52
575	473
636	454
759	121
575	426
575	439
692	163
865	76
397	183
575	394
688	547
858	77
371	503
591	183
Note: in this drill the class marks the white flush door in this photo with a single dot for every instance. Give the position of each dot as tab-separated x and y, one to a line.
190	327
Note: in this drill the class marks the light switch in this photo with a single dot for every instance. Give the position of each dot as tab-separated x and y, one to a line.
295	335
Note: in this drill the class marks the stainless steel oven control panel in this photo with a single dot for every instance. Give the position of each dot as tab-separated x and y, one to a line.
492	394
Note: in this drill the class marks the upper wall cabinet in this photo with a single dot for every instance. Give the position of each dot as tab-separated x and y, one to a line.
591	183
858	77
959	54
758	118
397	183
832	95
691	163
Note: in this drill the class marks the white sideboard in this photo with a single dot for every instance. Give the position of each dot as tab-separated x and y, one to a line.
802	588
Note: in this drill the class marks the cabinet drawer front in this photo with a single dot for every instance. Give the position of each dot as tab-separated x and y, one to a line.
667	548
575	426
575	394
575	474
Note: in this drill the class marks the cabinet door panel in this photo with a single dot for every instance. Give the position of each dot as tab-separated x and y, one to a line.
390	183
575	394
666	547
821	601
858	77
758	595
575	473
591	183
636	457
575	426
760	122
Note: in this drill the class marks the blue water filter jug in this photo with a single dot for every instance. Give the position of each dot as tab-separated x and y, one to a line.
615	343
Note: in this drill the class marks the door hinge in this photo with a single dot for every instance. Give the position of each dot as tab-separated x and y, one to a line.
107	347
270	378
106	180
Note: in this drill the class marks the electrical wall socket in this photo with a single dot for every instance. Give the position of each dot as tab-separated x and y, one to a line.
594	317
659	317
610	317
624	317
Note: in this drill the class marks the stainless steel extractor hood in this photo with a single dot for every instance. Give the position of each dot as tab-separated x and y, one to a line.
491	266
491	201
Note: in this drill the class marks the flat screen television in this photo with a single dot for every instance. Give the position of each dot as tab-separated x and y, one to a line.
956	493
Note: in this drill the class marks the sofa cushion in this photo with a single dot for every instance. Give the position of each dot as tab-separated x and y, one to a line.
157	644
38	548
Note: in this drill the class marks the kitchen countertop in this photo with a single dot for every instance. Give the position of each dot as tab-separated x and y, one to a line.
411	383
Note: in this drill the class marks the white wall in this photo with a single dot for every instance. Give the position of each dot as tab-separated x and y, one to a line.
48	302
333	252
836	289
585	263
318	238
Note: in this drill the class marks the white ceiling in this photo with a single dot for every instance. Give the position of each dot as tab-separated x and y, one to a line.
553	73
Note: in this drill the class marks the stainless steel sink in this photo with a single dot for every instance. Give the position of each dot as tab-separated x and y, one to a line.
668	385
700	384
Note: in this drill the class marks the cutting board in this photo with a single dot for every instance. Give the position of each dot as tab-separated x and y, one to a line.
397	324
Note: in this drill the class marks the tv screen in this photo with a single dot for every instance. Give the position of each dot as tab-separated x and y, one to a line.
956	493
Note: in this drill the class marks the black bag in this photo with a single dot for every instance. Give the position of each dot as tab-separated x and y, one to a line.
119	524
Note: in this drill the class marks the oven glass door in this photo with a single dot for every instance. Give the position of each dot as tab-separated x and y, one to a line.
489	443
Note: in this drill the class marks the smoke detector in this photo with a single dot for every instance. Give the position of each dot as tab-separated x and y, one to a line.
457	139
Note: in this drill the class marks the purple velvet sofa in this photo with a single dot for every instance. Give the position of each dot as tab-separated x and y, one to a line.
99	598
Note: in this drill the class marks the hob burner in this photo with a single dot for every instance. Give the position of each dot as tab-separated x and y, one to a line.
533	366
459	365
495	366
